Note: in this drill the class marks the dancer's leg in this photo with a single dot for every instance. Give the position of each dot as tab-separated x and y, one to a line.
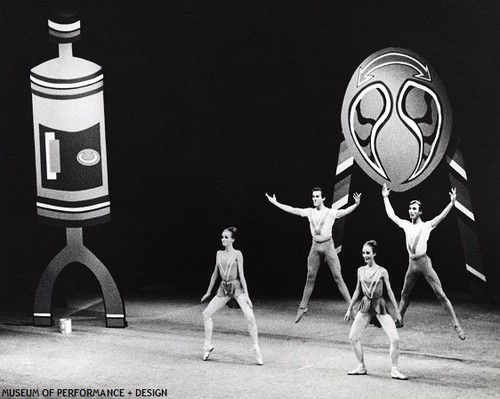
333	262
313	262
252	326
389	327
215	304
411	278
360	322
433	280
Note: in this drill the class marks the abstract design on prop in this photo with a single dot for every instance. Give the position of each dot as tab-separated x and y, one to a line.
396	118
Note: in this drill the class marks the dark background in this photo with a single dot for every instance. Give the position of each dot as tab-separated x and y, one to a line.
210	104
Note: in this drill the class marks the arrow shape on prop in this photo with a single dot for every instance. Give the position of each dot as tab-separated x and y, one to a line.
365	73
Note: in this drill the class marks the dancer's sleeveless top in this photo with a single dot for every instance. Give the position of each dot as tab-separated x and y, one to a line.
373	289
228	287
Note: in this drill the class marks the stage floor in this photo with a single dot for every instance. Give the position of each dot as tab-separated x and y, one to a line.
161	350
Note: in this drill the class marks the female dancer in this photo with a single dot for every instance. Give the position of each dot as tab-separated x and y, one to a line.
229	264
370	281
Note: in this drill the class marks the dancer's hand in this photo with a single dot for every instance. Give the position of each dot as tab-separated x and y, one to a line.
453	195
347	316
357	198
272	199
385	191
205	296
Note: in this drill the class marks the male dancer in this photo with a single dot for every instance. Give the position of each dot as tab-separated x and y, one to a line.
417	234
321	220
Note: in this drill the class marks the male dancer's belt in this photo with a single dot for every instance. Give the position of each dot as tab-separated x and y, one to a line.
417	257
320	241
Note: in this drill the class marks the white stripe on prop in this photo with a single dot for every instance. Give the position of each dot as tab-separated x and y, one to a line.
344	165
470	269
77	209
64	27
41	314
465	211
50	137
341	202
115	316
457	168
77	85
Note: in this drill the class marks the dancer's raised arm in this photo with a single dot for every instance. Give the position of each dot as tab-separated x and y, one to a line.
286	208
344	212
453	197
388	207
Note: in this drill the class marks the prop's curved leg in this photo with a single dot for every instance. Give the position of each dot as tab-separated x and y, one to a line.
42	316
113	304
75	251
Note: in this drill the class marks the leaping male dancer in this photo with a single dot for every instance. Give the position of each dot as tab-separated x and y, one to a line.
321	220
417	234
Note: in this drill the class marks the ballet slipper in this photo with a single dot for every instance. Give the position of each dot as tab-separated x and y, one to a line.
300	312
258	356
360	370
207	349
460	332
397	375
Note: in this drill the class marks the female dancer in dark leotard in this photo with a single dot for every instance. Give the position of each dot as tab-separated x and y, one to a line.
371	280
229	265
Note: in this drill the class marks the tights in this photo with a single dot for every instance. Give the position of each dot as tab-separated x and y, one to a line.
326	251
360	322
416	268
218	303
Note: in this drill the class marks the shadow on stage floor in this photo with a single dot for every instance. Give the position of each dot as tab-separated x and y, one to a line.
161	350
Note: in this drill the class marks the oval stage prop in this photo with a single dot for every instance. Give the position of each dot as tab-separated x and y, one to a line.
396	118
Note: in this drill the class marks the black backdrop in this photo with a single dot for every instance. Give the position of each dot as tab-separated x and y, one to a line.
210	104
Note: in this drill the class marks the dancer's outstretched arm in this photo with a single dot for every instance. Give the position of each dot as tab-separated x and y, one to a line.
442	215
286	208
213	279
354	299
390	293
344	212
388	207
239	259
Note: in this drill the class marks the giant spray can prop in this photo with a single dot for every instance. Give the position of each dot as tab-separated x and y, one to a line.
70	144
71	163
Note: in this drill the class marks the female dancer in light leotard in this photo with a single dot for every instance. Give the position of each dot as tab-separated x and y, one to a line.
229	265
371	280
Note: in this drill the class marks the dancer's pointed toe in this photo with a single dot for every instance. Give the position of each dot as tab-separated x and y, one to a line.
460	332
258	356
207	350
300	312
